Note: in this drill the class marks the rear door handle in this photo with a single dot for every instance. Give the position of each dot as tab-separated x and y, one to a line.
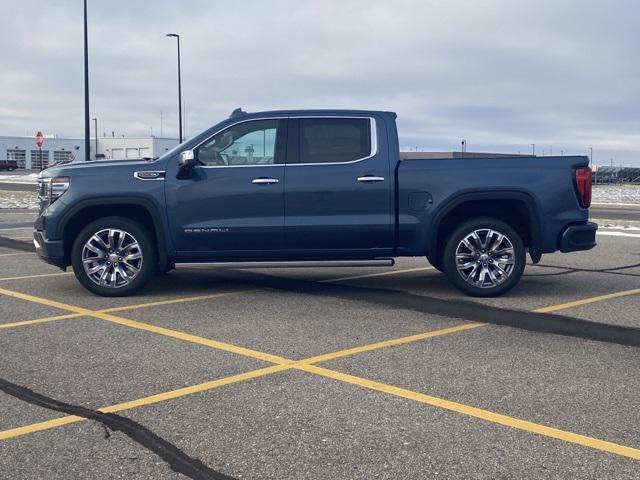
264	181
370	178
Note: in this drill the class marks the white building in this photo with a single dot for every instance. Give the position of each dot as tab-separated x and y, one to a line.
25	152
114	148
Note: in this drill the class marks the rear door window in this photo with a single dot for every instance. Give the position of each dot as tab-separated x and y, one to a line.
334	140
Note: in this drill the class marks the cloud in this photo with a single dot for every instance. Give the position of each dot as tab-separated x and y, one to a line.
501	74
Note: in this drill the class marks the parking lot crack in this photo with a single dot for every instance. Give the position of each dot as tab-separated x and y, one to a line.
177	460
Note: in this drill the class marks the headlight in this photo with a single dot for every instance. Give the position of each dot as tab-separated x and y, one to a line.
50	189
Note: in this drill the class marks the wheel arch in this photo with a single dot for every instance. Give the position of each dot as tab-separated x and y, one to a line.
134	208
516	207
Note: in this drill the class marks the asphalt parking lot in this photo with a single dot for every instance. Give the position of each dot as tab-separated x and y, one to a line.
321	373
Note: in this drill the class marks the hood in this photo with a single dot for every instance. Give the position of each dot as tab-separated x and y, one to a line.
94	166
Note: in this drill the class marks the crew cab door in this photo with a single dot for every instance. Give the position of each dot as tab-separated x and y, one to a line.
338	187
232	202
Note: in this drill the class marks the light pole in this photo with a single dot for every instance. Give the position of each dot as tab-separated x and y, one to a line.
87	133
591	157
95	122
533	145
179	87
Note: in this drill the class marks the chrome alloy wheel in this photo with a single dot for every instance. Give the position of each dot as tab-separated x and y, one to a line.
485	258
112	258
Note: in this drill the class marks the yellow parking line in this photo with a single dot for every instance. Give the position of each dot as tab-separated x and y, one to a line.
379	274
161	397
586	301
39	320
25	277
135	306
391	343
14	254
148	327
478	413
176	300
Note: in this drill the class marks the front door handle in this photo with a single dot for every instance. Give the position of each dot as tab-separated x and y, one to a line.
370	178
264	181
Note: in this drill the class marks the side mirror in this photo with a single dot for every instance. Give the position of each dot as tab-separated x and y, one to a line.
187	158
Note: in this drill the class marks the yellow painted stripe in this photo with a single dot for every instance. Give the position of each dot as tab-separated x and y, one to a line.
149	328
391	343
587	301
176	300
247	352
379	274
123	308
161	397
15	254
38	427
24	277
493	417
181	392
39	320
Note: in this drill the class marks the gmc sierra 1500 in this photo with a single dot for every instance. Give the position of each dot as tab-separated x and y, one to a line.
310	186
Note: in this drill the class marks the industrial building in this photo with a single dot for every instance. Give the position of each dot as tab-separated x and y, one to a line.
55	149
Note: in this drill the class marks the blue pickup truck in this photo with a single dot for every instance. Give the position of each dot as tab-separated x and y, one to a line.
319	186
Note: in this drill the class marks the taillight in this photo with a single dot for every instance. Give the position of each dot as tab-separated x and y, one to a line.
583	186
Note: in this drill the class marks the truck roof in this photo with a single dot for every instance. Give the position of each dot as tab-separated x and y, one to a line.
239	112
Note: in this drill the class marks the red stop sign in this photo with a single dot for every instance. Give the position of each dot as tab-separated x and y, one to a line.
39	139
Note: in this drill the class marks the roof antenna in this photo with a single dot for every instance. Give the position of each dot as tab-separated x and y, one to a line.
238	112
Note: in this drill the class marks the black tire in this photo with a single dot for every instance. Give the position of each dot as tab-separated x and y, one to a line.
147	265
490	287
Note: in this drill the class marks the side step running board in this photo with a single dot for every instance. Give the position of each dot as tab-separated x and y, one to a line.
387	262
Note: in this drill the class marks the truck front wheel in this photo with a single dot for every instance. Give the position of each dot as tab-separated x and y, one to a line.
484	257
113	257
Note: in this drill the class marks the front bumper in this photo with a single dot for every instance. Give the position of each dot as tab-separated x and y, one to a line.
579	237
51	251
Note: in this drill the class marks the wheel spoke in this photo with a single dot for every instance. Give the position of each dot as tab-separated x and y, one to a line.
497	242
131	267
469	264
96	269
131	246
468	244
133	256
104	275
479	243
121	238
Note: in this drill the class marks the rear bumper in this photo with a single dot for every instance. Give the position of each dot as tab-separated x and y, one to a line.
51	251
578	237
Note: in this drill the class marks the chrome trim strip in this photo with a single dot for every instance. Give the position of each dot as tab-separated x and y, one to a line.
374	141
372	127
370	179
161	175
293	264
264	181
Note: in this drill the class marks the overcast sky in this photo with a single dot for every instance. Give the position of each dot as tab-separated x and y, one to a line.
501	73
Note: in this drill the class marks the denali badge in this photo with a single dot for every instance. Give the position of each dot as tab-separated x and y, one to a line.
207	230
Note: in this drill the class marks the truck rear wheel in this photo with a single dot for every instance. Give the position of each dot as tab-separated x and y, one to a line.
113	257
484	257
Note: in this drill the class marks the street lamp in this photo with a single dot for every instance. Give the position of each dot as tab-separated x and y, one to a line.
95	121
179	87
87	133
534	149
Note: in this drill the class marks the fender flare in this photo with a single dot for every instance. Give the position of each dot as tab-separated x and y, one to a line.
148	205
535	223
